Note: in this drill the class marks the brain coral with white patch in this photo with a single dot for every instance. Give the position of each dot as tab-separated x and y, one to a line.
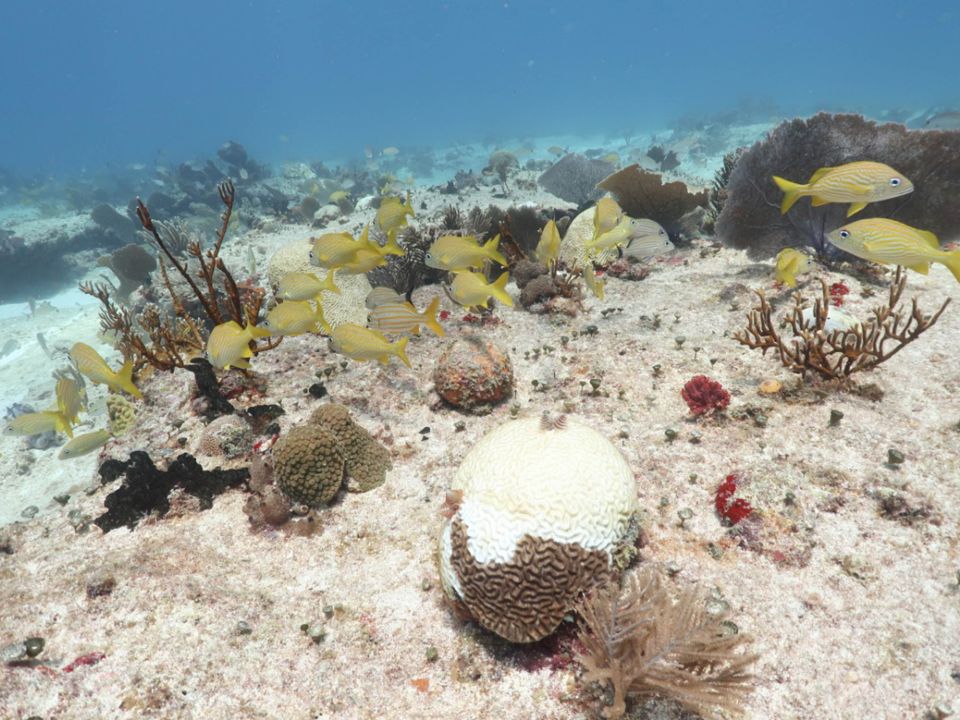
541	507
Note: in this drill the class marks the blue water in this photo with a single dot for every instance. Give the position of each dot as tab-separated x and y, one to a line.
92	85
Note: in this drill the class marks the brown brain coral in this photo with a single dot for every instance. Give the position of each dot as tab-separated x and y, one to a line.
308	465
531	533
367	461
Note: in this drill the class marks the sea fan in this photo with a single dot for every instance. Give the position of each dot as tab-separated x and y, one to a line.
645	644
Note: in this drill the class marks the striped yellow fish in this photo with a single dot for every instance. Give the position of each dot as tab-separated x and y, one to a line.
789	264
360	343
229	344
857	183
296	317
333	249
453	252
889	242
472	289
364	261
606	216
382	296
83	444
35	423
392	214
89	363
548	249
397	318
640	238
305	286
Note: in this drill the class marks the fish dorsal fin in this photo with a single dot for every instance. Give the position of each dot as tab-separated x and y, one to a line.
819	174
930	239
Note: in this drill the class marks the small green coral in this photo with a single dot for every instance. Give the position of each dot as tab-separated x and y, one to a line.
367	461
308	465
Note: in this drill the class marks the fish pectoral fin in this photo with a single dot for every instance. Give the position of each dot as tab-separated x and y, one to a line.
855	208
818	201
922	268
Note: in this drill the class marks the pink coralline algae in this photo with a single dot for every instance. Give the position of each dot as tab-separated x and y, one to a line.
704	395
732	512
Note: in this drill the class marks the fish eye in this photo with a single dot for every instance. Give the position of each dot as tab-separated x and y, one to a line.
844	234
894	182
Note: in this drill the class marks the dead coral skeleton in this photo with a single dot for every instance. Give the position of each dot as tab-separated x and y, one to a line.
646	643
837	354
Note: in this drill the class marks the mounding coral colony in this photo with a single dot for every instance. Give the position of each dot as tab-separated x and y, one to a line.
481	454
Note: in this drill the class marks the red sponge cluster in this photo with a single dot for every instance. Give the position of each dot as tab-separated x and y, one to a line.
704	395
837	292
732	512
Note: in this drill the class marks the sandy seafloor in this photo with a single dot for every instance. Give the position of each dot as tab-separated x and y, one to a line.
854	615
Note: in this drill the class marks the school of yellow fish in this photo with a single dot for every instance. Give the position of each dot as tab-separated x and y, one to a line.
469	262
880	240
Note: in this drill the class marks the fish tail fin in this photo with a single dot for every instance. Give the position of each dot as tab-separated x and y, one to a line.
61	424
499	289
491	251
400	350
329	284
392	247
952	261
430	317
324	325
791	193
125	379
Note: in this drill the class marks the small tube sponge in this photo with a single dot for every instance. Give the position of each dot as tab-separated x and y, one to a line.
367	461
308	465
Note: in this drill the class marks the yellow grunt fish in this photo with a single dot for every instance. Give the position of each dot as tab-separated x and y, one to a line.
791	263
857	183
889	242
472	289
452	252
338	196
305	286
364	261
641	238
229	344
596	285
89	363
396	318
606	216
548	249
360	343
333	249
35	423
83	444
392	214
382	296
296	317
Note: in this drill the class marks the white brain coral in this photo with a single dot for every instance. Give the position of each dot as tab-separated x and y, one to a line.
533	496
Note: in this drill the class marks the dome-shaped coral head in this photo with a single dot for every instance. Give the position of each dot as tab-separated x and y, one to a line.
540	508
704	396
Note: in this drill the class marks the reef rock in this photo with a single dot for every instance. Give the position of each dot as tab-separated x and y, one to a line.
534	494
